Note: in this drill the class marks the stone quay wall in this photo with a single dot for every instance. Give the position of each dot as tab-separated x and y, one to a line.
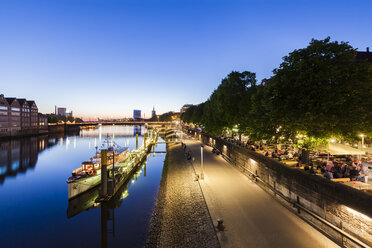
339	211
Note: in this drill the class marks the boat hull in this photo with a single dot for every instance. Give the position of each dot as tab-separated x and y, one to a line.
82	185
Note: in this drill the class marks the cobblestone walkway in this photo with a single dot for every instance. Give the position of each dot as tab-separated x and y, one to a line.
181	217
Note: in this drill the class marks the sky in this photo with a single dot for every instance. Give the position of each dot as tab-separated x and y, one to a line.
104	58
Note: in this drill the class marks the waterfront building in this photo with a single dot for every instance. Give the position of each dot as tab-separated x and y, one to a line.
19	116
4	112
33	114
185	107
25	114
14	116
137	115
43	123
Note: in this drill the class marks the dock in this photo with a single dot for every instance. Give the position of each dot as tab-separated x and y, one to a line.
113	179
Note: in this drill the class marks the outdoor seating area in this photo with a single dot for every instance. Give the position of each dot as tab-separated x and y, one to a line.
339	163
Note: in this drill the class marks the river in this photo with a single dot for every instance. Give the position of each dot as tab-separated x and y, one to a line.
35	210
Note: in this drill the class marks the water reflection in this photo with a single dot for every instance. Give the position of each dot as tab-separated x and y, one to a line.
35	204
19	155
86	201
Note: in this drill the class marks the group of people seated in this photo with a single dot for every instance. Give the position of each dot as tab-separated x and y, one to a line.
353	169
330	169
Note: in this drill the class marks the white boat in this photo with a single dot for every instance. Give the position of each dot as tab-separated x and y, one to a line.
88	175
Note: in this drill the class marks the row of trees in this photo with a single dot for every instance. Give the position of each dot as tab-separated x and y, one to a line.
168	116
318	92
52	118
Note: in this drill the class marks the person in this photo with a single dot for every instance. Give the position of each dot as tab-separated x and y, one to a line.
306	167
311	171
266	154
329	166
299	163
327	174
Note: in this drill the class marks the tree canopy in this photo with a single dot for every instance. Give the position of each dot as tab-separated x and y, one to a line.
318	92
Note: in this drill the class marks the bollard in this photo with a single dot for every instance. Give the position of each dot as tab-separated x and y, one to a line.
136	141
103	173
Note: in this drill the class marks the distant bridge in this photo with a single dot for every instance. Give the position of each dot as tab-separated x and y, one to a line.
138	123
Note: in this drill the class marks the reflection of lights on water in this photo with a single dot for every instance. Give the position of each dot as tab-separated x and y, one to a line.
74	142
95	142
124	195
61	141
133	181
67	142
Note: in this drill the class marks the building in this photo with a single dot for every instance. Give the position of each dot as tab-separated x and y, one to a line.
43	123
137	115
19	116
185	107
33	114
367	55
14	116
25	114
61	111
153	113
4	113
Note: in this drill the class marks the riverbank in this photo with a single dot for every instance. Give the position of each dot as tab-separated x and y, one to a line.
180	217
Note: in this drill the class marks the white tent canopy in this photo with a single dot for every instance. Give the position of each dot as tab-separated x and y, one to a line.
340	149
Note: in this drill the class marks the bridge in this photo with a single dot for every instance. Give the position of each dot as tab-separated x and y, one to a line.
74	127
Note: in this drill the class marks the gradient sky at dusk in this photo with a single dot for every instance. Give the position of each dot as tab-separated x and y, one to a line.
107	57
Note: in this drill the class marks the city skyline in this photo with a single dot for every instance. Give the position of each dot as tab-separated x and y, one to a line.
106	58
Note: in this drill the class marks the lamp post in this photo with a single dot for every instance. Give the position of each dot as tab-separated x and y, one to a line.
362	135
201	162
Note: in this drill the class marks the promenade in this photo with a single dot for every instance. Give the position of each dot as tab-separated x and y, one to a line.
252	218
181	217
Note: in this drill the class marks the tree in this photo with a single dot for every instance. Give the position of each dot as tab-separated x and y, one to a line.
322	91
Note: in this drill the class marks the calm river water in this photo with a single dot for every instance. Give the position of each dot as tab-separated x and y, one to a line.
35	211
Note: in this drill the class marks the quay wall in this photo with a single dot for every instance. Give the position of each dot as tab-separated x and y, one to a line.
20	133
345	208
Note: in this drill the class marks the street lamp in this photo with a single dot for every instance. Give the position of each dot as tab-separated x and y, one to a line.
362	135
201	161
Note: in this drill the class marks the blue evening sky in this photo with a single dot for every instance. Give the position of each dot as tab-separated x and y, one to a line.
107	57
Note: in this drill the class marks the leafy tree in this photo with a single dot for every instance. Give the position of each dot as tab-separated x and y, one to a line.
321	90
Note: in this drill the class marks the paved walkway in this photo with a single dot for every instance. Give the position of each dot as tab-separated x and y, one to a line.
181	217
251	217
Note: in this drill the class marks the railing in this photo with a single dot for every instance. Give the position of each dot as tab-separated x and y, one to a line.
299	207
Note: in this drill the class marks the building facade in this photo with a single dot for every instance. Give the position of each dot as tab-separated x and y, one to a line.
14	116
137	115
4	113
25	114
20	117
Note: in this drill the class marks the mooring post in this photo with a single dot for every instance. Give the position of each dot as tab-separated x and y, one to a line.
103	172
136	141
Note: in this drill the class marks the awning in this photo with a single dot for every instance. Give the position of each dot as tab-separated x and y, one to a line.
340	149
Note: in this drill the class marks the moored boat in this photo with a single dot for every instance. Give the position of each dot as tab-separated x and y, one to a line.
88	175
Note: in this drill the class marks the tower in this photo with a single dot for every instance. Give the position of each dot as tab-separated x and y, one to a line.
153	113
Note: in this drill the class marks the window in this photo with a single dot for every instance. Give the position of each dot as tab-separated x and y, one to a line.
16	113
3	108
3	113
15	109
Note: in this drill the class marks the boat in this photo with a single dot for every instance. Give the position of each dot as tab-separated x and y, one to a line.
88	175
